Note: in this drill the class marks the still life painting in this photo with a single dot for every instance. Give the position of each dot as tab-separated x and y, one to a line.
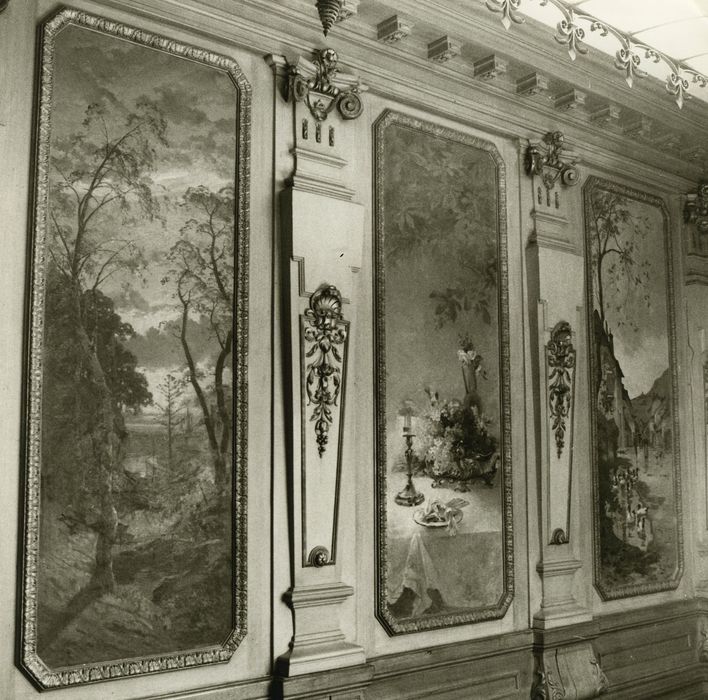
134	548
443	449
638	536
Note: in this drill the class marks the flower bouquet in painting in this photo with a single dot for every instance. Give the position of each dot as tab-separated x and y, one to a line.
455	446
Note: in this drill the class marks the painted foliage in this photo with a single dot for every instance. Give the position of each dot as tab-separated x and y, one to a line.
638	538
136	488
443	463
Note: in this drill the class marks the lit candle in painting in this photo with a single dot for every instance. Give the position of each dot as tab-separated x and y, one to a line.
406	422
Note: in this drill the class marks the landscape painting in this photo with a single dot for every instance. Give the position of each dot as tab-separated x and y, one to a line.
638	536
135	491
444	547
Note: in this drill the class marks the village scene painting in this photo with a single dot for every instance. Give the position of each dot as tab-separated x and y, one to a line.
136	465
638	540
441	450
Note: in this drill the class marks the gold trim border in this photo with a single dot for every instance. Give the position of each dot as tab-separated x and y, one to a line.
499	610
28	659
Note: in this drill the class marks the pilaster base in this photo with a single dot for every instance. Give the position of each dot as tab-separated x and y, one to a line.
559	606
318	643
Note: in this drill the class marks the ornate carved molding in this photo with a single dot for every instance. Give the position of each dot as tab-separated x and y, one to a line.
545	160
315	83
568	672
695	210
571	31
324	330
561	365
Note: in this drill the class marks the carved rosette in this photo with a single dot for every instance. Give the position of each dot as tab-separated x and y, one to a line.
314	83
325	336
561	367
548	161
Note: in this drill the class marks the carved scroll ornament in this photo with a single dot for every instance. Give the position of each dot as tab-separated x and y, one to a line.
561	362
313	82
324	332
548	162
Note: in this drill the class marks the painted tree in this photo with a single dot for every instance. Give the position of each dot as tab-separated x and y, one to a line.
171	389
442	196
203	276
99	185
619	268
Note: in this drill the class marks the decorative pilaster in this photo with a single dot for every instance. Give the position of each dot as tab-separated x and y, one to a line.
555	264
322	232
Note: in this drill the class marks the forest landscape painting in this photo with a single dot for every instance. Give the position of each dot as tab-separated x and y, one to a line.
135	482
638	537
443	463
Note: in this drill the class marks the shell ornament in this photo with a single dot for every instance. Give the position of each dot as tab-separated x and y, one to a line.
329	13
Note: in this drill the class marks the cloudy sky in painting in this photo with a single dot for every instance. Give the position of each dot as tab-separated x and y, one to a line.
642	347
199	104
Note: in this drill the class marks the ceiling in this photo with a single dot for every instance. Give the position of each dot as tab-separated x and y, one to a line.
677	28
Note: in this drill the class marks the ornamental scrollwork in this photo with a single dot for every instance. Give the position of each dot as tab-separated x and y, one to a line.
325	335
547	161
570	31
545	687
561	362
314	83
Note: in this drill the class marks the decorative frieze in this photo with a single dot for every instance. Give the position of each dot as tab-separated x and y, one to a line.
490	67
393	29
443	49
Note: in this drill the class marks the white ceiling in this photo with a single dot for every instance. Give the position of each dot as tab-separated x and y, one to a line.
678	28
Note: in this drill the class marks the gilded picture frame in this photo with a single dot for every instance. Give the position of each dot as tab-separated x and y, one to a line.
635	440
143	514
494	483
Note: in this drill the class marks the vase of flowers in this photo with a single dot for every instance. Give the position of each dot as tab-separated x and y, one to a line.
455	446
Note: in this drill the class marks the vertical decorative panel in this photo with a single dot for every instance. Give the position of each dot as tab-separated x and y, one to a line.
135	544
444	531
633	383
